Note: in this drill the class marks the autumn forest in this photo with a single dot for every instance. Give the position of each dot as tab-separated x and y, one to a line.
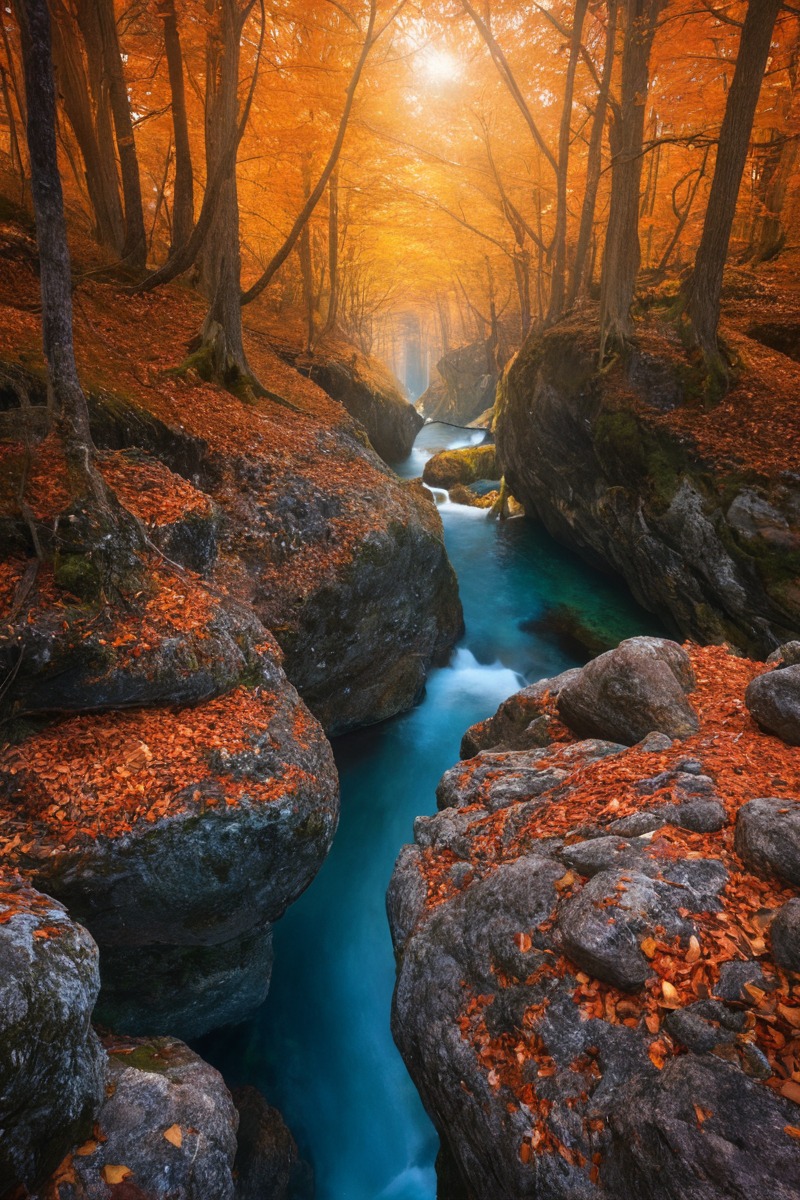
399	416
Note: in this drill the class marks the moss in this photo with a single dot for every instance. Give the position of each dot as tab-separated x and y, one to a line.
77	574
628	449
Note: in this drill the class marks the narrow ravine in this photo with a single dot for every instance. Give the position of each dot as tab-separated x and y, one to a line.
321	1048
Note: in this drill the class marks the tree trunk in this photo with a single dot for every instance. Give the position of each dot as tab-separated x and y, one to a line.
770	233
307	263
183	197
704	287
97	529
333	252
594	159
222	342
558	282
622	253
99	26
97	152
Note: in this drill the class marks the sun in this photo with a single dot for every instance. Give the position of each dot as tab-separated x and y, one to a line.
439	66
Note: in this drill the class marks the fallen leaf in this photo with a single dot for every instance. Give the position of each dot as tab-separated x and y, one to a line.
693	953
648	947
115	1174
174	1135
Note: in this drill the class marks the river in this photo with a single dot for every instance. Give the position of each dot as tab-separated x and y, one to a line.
320	1048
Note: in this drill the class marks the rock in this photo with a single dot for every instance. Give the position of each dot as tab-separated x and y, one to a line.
221	817
624	694
373	397
774	702
166	1131
177	642
704	1026
519	723
463	494
340	559
463	388
406	896
585	452
739	1151
602	927
787	655
51	1062
768	837
466	465
267	1166
734	977
784	935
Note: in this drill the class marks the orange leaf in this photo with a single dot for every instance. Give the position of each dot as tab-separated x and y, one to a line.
115	1174
174	1135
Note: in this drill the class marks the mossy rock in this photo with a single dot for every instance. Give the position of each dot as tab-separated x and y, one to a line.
466	465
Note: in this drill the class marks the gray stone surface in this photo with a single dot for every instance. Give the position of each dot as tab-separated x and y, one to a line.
626	693
774	702
51	1062
768	837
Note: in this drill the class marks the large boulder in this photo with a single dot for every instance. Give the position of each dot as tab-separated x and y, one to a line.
51	1062
166	1130
521	722
768	837
176	641
774	702
784	933
626	693
177	838
469	464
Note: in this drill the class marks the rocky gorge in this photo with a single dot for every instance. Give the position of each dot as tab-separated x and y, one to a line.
166	791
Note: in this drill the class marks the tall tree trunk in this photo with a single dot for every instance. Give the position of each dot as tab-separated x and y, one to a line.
622	254
306	262
97	151
97	527
183	197
221	336
594	160
770	232
333	252
704	287
99	26
558	282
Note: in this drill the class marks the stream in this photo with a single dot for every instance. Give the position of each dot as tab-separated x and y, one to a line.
320	1048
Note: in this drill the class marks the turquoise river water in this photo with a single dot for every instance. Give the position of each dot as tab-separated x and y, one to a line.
320	1048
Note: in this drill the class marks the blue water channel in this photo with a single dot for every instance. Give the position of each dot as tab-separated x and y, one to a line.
320	1048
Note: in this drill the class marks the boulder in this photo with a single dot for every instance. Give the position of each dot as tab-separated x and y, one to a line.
176	642
51	1062
784	935
701	1129
467	465
774	702
463	388
166	1130
177	838
626	693
787	655
267	1166
768	837
373	398
602	927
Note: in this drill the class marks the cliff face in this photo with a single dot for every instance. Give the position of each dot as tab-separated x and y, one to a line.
598	943
699	512
464	389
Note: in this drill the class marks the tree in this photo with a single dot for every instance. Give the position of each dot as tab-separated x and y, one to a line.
183	199
703	290
622	254
96	528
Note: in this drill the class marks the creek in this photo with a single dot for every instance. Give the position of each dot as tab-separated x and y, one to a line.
320	1048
